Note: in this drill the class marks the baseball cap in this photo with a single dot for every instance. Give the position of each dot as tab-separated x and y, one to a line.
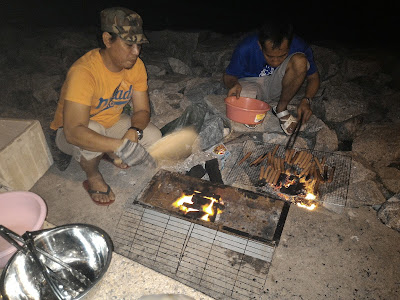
124	22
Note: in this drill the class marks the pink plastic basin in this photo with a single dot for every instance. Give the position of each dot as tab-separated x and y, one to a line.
20	212
246	110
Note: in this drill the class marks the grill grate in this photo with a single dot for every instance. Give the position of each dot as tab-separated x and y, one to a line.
220	265
246	177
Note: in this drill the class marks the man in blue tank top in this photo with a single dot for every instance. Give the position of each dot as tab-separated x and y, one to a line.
272	65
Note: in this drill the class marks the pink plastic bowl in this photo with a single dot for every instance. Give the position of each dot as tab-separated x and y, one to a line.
20	212
246	110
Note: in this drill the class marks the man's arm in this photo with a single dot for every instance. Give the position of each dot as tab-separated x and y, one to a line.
140	114
232	83
304	109
76	121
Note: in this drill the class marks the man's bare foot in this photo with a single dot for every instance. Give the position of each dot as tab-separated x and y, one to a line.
99	190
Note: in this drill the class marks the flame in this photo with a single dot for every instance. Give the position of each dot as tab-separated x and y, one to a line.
309	198
309	207
182	200
207	208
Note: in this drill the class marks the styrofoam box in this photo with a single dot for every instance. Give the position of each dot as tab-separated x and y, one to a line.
24	153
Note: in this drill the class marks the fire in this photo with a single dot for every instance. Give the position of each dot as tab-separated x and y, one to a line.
306	200
181	201
309	207
185	202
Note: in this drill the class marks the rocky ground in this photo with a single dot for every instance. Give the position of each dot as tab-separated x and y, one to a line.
356	110
357	113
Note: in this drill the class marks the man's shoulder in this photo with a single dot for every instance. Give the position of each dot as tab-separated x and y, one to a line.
299	42
247	43
88	59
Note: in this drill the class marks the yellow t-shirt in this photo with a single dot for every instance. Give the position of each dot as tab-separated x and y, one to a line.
89	82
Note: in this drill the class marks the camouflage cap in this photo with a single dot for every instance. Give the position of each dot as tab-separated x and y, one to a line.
124	22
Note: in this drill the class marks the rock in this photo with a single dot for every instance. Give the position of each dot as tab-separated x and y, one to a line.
326	140
175	100
180	45
343	102
73	39
281	139
389	213
198	88
354	67
348	129
174	83
357	102
46	95
328	62
376	139
390	178
360	172
159	103
153	70
214	55
179	66
391	104
364	193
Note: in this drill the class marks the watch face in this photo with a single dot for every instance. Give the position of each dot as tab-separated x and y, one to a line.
140	134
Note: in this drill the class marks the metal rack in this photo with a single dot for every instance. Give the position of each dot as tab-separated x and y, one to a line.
220	265
246	176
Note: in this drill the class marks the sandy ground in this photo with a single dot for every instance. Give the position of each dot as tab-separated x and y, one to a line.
321	254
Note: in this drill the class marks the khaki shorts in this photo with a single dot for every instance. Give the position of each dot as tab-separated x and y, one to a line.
266	88
151	134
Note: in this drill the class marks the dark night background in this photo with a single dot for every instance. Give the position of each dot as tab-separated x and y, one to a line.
362	23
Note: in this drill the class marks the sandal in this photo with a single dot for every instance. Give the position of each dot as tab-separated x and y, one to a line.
86	186
286	122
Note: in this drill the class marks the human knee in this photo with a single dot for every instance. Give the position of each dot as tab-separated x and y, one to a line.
151	134
298	62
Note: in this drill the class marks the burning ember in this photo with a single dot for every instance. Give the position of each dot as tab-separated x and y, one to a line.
296	177
200	206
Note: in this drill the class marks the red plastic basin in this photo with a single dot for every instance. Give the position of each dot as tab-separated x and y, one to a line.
246	110
19	211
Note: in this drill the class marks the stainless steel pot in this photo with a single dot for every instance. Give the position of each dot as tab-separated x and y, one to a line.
85	249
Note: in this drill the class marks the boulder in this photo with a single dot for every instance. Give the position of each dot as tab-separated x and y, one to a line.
379	144
389	213
343	102
364	193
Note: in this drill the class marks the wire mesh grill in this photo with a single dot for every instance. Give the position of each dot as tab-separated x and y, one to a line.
246	176
220	265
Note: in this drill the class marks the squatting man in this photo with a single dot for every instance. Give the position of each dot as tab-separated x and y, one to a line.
89	119
272	65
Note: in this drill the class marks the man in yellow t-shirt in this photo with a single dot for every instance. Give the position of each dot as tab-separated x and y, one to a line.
89	122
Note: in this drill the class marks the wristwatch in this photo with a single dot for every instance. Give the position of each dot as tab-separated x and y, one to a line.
139	132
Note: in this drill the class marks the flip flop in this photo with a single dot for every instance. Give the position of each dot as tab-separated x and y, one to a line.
86	186
107	158
284	123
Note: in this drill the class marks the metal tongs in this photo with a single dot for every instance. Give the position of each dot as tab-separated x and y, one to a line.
62	288
292	138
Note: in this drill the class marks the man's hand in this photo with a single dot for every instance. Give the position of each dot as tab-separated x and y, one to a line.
131	135
304	110
133	153
232	83
235	90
